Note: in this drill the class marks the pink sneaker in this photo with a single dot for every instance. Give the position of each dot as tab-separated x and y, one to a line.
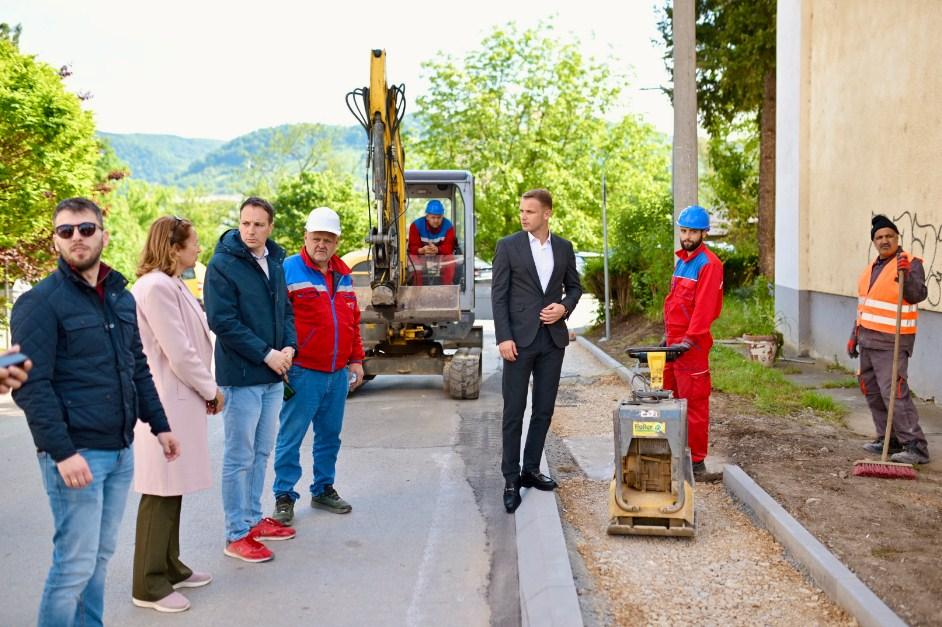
248	549
271	529
195	580
172	603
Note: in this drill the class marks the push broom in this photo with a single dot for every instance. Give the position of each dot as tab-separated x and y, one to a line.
884	469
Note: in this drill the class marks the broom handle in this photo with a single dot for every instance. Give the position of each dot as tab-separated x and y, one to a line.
901	276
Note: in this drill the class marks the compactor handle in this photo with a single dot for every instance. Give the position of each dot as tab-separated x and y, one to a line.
641	352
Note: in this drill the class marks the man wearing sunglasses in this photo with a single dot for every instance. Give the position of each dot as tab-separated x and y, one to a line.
89	385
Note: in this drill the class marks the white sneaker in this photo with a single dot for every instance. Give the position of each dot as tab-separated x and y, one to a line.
172	603
195	580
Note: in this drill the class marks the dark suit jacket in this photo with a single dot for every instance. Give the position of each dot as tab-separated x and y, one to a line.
516	294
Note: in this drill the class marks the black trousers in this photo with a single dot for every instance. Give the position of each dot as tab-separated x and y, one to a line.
544	360
157	564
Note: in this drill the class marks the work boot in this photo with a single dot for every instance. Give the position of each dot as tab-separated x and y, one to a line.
876	447
910	455
702	475
330	501
284	509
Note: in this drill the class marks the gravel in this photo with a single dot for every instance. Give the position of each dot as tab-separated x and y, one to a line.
732	573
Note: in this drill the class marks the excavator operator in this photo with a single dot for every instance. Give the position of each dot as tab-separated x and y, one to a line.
432	242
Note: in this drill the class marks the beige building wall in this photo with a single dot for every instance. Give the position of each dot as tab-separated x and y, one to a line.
858	132
874	136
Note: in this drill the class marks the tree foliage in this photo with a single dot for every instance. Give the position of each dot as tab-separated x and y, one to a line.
132	206
526	110
731	179
48	149
735	52
298	196
521	111
736	95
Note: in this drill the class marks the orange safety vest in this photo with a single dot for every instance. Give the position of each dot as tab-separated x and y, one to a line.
876	306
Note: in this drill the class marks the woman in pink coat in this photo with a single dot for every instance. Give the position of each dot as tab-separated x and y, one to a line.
179	351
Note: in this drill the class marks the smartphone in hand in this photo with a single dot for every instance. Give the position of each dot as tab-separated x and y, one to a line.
13	359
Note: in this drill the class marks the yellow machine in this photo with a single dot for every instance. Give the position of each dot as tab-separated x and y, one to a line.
652	491
418	311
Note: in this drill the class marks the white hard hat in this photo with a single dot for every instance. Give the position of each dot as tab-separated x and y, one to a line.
323	219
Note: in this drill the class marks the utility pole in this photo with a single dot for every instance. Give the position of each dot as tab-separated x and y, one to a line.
684	166
608	322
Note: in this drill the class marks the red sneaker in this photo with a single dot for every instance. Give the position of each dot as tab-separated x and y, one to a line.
271	529
248	549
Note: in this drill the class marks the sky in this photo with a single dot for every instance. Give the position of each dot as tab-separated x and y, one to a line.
212	69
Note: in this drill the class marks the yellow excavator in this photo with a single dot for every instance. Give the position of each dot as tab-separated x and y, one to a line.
418	310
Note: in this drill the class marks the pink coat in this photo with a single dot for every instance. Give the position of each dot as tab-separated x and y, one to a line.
179	350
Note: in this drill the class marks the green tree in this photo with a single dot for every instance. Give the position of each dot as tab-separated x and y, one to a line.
731	178
48	149
736	82
523	110
298	196
132	206
290	151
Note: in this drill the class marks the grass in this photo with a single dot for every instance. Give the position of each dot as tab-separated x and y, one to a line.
746	310
767	388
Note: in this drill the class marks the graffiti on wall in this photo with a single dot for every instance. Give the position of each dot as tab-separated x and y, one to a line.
924	240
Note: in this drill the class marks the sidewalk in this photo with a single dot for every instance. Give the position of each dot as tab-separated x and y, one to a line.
815	376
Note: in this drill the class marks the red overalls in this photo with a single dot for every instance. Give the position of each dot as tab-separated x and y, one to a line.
694	302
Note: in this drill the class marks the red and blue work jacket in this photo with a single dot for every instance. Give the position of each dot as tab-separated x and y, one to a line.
420	234
326	314
695	299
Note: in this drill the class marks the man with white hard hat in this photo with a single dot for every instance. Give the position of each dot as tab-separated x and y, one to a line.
329	362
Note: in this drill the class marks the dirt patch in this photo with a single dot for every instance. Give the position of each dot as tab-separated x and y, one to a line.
888	532
732	573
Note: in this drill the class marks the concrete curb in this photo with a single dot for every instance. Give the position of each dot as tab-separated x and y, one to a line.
837	581
547	588
619	368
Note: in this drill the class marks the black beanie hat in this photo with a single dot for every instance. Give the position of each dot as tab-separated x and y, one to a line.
880	221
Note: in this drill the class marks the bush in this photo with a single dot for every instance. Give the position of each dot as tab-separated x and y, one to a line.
740	268
640	262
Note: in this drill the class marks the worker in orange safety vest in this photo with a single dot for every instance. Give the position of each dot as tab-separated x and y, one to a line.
873	337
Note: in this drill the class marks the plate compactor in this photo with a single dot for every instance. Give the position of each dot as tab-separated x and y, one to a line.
652	491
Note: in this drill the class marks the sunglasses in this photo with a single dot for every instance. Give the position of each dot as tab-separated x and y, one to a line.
85	229
177	221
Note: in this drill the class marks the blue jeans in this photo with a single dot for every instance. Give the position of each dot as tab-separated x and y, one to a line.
249	416
86	521
319	402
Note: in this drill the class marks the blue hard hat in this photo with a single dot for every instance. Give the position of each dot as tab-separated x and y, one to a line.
435	208
694	217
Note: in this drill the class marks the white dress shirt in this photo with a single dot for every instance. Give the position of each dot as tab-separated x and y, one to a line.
262	260
543	258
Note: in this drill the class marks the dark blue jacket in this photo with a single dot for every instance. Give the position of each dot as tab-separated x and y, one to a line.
90	381
249	312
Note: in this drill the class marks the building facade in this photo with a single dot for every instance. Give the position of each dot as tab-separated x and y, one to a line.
858	132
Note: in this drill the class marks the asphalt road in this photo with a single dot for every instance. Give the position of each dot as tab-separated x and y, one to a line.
427	541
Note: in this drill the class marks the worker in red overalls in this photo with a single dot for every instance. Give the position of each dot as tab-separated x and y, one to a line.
694	302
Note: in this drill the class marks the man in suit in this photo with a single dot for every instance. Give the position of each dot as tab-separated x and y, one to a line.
534	288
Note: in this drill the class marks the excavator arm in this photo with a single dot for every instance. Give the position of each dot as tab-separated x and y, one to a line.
383	108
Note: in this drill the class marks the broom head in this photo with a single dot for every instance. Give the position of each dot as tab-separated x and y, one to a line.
883	470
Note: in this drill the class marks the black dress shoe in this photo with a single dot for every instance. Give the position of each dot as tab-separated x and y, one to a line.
512	498
537	480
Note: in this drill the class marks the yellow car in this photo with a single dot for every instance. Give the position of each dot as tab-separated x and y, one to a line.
359	263
194	277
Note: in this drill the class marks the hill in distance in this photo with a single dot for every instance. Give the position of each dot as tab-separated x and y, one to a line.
220	167
159	158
